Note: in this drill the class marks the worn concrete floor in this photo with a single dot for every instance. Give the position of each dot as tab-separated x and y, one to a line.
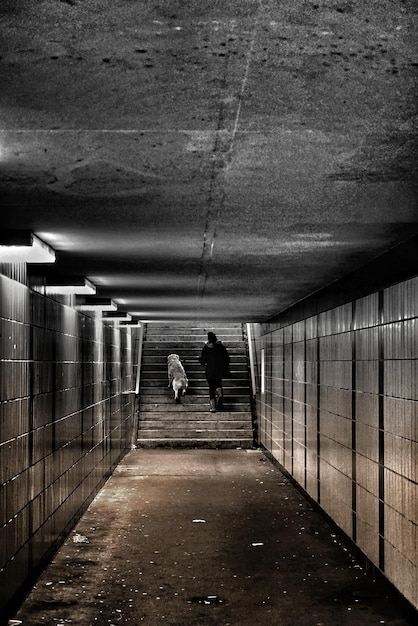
205	537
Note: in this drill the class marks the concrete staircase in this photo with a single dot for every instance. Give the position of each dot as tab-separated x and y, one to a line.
190	423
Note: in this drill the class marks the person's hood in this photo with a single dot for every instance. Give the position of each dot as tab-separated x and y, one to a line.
212	345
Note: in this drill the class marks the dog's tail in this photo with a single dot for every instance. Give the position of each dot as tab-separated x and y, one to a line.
180	384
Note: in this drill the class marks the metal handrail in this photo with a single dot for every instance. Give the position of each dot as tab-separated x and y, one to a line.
138	371
252	361
135	408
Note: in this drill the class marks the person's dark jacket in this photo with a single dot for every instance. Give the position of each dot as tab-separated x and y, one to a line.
216	359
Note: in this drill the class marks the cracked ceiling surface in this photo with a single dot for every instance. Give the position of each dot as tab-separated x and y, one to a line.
209	159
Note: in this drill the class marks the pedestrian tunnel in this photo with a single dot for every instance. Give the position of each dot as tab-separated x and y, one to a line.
331	402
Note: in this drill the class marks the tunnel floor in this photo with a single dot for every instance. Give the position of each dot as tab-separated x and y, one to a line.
206	537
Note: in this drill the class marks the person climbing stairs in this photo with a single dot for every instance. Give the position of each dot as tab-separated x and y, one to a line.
190	423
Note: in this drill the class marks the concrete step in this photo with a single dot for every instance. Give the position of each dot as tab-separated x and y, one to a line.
190	352
203	329
199	405
191	342
197	338
194	382
190	327
192	400
193	396
161	378
155	367
186	351
160	367
194	442
229	385
194	389
150	364
160	360
180	417
198	425
204	433
194	331
197	384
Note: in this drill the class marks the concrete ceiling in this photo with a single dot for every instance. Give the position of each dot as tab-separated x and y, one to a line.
210	159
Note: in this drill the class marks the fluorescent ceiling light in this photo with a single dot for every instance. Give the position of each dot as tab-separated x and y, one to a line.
118	318
99	306
86	288
35	251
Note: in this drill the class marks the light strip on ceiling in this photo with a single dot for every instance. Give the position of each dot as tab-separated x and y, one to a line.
36	251
99	307
117	318
86	288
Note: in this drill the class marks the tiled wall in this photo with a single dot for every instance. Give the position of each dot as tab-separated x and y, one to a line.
339	412
65	421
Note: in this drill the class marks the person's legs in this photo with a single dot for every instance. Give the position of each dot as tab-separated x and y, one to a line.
219	396
214	384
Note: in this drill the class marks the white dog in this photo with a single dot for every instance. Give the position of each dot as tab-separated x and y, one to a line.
176	376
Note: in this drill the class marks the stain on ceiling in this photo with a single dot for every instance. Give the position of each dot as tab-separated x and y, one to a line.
209	159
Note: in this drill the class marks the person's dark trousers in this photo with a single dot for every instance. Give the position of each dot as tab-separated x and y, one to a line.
214	383
215	393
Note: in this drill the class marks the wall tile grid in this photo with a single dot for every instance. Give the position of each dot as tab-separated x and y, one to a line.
265	399
278	440
399	343
335	415
64	422
339	413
